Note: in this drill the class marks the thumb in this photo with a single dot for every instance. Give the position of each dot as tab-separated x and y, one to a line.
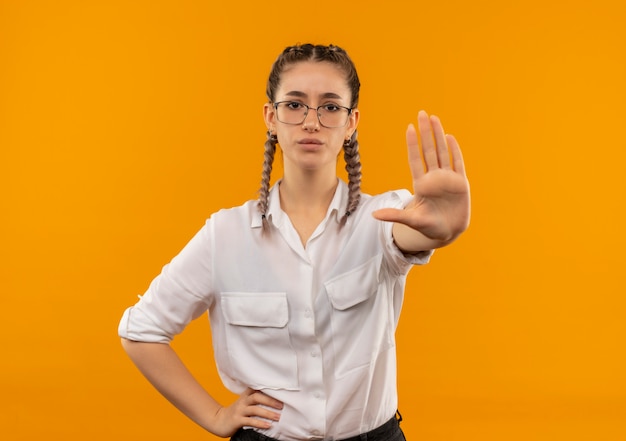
391	215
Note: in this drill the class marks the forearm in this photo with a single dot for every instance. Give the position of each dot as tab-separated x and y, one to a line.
160	364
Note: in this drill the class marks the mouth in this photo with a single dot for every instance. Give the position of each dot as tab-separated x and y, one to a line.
310	141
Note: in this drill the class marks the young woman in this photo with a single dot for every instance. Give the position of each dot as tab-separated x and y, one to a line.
304	286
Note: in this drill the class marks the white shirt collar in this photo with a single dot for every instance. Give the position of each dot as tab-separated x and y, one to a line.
276	215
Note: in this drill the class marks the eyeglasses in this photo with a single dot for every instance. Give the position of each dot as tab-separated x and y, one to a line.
329	115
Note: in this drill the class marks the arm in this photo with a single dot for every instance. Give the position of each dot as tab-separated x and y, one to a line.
440	209
160	364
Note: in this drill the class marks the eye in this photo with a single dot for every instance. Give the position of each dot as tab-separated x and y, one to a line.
331	108
294	105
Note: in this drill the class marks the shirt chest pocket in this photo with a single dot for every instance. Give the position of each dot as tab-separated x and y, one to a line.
361	317
257	339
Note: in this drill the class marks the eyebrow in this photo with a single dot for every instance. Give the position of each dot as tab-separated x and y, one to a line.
297	93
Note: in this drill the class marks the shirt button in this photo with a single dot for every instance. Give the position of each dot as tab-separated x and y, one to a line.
316	433
307	313
314	354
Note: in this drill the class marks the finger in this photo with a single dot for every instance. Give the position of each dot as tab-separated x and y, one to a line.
256	423
266	400
247	393
443	155
416	163
262	412
393	215
264	406
428	142
457	156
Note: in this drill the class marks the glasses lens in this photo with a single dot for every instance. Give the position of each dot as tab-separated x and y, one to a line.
333	116
291	112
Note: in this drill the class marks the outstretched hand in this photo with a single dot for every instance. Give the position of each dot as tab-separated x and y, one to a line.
440	209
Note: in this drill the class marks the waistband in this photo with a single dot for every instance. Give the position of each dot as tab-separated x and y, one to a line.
377	433
380	433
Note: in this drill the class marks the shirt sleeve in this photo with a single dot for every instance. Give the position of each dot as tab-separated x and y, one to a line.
402	262
179	294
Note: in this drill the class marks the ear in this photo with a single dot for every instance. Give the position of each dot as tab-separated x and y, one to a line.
269	115
353	122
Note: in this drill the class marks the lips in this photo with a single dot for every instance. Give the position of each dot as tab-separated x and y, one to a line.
310	141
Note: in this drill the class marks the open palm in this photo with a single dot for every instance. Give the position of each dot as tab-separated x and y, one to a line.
440	209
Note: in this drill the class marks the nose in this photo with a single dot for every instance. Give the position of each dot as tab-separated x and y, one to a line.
311	121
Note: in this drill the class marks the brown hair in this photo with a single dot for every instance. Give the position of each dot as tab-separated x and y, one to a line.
339	57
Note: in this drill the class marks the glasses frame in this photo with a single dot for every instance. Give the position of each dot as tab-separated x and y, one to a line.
317	111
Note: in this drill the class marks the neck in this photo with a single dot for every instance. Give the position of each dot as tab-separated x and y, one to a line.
307	192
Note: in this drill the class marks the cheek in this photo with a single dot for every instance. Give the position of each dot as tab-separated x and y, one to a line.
283	138
339	149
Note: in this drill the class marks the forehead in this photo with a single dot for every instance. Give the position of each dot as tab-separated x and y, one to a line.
314	78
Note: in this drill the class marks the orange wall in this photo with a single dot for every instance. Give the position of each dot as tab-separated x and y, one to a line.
123	125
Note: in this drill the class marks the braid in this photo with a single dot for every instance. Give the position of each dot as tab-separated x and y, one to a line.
353	167
264	191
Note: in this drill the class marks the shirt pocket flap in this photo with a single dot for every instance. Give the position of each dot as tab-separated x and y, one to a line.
357	285
259	309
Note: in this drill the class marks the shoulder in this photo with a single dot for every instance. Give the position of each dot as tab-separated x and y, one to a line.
231	227
244	213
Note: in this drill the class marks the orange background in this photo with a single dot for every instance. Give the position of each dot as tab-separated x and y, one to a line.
124	124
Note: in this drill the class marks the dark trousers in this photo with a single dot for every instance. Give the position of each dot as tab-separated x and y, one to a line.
390	431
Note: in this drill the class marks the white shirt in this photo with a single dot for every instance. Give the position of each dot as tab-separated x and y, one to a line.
311	326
